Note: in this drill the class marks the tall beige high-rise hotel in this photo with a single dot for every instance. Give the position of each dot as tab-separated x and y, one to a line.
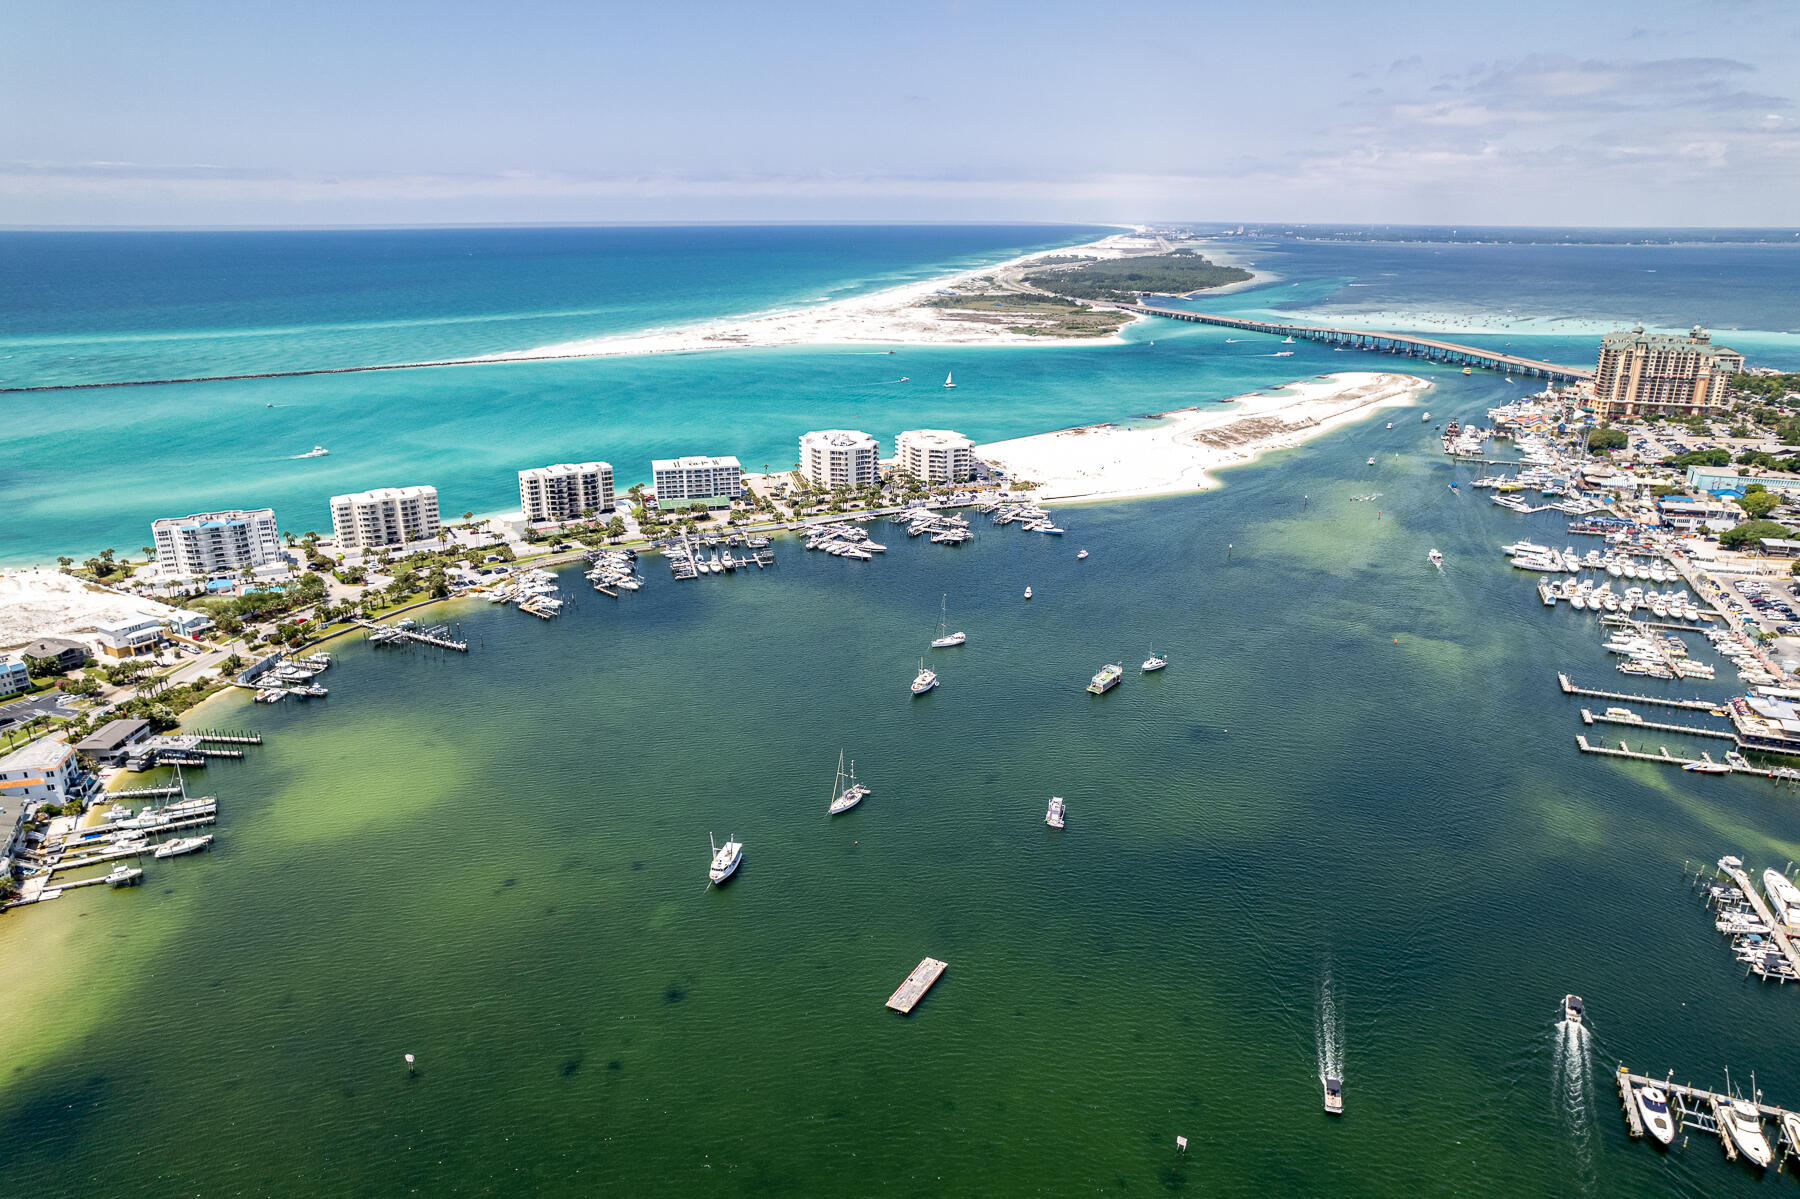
1662	374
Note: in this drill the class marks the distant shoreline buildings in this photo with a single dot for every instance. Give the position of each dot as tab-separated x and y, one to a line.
213	543
697	478
832	458
566	491
384	516
935	455
1662	374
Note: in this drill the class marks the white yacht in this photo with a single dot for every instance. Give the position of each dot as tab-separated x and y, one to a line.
317	451
1653	1110
183	845
1054	817
1155	661
1743	1123
1081	555
1525	548
725	859
925	680
945	638
1028	593
1784	895
846	794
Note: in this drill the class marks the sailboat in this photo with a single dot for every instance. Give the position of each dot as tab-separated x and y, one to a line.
846	796
949	380
945	638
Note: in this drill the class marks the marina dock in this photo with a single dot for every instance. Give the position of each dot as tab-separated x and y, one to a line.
1691	1108
917	983
1691	730
1666	758
1753	897
384	634
1696	705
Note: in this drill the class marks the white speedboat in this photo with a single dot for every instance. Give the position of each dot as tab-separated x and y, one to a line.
1653	1110
1028	593
1783	894
1572	1008
183	845
1081	555
846	794
945	638
1707	766
1371	462
1334	1096
1743	1123
1155	661
1790	1127
725	859
317	451
925	680
1435	558
1054	817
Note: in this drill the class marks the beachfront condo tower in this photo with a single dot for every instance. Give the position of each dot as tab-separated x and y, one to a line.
566	491
1662	374
934	456
384	516
683	479
215	543
831	458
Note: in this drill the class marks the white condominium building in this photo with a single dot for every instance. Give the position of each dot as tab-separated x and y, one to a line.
934	455
696	478
209	543
384	516
565	491
840	458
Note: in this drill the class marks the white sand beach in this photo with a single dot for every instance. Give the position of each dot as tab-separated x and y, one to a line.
1178	452
48	603
893	316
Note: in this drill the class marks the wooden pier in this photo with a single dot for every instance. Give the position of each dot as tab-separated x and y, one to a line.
1693	1107
1695	705
917	983
1777	930
225	738
1665	757
1691	730
141	793
392	632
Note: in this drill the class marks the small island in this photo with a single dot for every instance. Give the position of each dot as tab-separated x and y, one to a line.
1123	280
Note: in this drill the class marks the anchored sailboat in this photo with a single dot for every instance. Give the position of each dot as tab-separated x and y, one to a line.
845	796
945	638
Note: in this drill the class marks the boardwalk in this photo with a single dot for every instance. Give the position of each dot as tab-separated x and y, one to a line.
1428	348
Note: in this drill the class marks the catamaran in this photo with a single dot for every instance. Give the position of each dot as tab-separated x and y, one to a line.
845	796
924	681
1054	817
725	859
1107	678
945	638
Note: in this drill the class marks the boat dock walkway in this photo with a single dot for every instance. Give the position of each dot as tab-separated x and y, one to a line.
1692	1108
225	738
1753	897
917	983
142	793
1692	730
1667	758
392	632
1696	705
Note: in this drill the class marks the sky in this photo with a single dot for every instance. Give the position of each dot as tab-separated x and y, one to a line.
1578	112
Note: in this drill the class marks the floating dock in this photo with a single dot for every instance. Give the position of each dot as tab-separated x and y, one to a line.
1693	705
917	983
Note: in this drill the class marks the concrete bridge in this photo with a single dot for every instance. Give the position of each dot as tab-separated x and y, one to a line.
1428	348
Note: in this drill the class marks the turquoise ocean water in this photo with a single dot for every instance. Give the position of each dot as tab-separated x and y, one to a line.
1348	820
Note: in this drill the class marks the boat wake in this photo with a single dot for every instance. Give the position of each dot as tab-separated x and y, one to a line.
1572	1087
1330	1033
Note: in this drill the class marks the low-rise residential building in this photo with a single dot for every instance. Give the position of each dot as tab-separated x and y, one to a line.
210	543
565	491
44	771
935	456
832	458
68	655
1662	374
112	742
1718	478
130	637
184	623
697	478
14	677
384	516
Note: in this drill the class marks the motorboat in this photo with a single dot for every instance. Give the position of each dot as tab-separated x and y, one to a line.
1783	894
1106	678
183	845
1081	555
1334	1096
1371	462
846	794
1028	593
925	680
945	638
1742	1122
1155	661
1054	817
125	876
1790	1127
725	859
1706	766
317	451
1435	558
1653	1112
1571	1007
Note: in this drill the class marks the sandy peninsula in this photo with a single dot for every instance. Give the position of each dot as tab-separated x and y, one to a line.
48	603
1180	449
891	317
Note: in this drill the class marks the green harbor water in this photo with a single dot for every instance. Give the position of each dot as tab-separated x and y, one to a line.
1351	810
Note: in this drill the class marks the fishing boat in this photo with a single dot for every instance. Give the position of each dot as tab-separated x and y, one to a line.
1054	817
945	638
1653	1111
1106	679
182	845
1571	1007
949	380
1155	661
1743	1123
725	859
925	680
1334	1096
1435	558
846	794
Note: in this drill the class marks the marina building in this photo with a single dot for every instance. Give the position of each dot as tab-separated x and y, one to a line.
565	491
1717	479
1698	516
1662	374
45	771
14	677
384	516
695	478
212	543
130	637
831	458
935	456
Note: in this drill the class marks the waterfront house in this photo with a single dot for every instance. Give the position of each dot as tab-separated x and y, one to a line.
112	742
130	637
68	655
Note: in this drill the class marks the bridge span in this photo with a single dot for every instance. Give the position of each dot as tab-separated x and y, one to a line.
1428	348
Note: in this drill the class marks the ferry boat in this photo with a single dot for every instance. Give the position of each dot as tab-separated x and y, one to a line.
925	680
1572	1008
846	795
945	638
1783	894
1155	661
1743	1123
1107	678
1435	558
725	859
183	845
1054	817
1334	1096
1653	1111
